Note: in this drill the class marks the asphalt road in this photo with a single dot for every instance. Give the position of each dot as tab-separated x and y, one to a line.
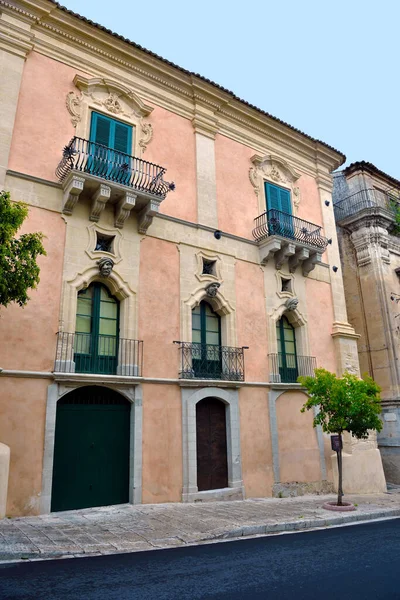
357	562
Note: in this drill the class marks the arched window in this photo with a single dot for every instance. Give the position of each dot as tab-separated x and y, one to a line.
287	357
206	341
96	331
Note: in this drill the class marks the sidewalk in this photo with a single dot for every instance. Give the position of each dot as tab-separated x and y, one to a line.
128	528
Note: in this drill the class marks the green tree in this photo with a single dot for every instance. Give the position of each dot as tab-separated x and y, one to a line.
345	404
19	271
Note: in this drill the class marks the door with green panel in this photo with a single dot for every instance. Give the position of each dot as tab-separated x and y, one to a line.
110	150
91	450
287	355
278	199
96	331
206	339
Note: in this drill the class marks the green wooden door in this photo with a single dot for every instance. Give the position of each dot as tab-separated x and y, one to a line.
279	207
96	331
287	355
109	155
206	338
91	451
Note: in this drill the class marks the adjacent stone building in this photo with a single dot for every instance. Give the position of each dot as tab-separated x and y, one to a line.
366	203
192	273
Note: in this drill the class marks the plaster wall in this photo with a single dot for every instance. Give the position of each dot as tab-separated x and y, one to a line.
251	319
29	334
255	442
42	124
237	202
298	445
159	307
162	443
22	418
173	147
320	311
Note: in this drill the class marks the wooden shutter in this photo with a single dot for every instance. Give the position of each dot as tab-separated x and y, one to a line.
111	133
273	197
284	197
100	131
278	198
122	138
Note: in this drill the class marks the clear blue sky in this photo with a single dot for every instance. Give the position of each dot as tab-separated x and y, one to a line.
330	69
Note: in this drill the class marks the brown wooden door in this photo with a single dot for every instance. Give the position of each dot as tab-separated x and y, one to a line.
212	463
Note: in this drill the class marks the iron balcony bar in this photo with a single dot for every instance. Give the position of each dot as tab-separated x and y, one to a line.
206	361
286	368
276	222
89	157
102	355
362	200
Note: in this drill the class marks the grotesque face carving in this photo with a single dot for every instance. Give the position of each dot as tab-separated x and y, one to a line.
291	304
212	289
105	266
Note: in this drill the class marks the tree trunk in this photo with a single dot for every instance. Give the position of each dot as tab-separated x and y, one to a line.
340	472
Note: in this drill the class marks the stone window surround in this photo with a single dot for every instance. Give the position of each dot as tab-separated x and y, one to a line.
132	393
220	305
118	288
299	322
114	100
230	398
115	253
271	168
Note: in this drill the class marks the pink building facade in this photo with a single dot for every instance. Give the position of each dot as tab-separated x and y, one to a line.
192	273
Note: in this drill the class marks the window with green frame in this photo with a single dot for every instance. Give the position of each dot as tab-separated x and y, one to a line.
111	150
287	355
206	339
278	199
96	331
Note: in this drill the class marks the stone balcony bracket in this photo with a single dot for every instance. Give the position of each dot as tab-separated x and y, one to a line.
80	186
291	251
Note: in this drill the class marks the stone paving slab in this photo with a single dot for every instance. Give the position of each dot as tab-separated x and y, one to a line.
128	528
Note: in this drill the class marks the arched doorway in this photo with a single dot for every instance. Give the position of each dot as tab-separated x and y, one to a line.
212	462
91	450
206	340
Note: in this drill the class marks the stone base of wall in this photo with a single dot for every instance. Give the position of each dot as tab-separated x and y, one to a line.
391	463
362	472
294	488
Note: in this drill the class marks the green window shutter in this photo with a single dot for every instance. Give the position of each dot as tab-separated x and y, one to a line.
122	138
278	198
100	130
286	205
273	197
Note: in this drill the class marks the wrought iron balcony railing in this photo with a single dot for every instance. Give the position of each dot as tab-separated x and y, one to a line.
274	222
362	200
101	354
286	368
205	361
92	158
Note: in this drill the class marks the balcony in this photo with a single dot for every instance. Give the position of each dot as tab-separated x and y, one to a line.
366	202
288	238
99	355
286	368
205	361
108	176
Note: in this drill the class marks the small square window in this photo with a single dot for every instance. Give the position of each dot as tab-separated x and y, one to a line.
209	267
104	243
286	285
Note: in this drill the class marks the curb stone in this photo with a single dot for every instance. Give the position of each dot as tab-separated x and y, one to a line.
305	524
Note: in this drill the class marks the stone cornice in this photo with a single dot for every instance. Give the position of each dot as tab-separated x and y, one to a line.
180	92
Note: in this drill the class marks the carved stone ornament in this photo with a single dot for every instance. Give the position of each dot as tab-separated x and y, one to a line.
147	136
212	289
273	168
291	304
105	266
112	104
74	106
